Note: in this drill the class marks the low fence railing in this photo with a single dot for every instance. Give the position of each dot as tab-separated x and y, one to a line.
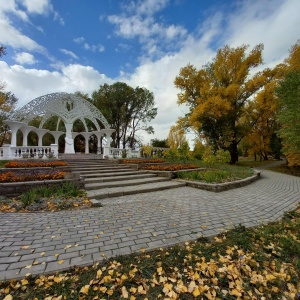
39	152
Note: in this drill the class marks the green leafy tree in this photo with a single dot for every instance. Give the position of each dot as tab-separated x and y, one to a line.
8	102
159	143
217	95
141	111
126	109
289	116
2	51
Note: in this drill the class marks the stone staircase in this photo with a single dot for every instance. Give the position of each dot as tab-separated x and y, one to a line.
105	178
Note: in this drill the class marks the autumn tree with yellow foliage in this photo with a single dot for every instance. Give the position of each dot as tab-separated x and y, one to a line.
218	95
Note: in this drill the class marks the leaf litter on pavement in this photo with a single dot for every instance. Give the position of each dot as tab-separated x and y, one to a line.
259	263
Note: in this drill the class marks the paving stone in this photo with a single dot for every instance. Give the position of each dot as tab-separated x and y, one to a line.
174	216
20	264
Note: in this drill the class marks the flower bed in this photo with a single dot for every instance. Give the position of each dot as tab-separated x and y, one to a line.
34	164
173	167
31	175
141	161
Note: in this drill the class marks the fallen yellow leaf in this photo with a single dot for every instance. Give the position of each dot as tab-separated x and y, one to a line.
196	292
60	261
24	281
132	290
235	292
99	273
85	289
124	292
103	289
8	297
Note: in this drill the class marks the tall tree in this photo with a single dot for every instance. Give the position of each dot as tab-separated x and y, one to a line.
2	51
8	102
159	143
217	95
289	116
142	111
176	137
288	94
262	117
126	109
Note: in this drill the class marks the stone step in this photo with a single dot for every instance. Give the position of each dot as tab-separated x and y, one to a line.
120	177
123	183
79	156
97	168
94	162
101	172
130	190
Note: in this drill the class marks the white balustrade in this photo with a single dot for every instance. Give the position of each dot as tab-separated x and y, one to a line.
8	152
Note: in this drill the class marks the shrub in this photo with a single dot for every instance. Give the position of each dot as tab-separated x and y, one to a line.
174	167
65	190
211	158
29	197
171	154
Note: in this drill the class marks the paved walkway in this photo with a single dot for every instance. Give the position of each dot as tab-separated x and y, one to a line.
45	242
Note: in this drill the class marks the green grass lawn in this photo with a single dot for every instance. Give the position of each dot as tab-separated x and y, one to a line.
250	162
257	263
218	174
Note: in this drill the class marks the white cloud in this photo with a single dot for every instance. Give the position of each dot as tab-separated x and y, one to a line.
25	58
79	40
37	6
28	84
87	46
272	23
58	18
10	36
146	7
10	6
68	52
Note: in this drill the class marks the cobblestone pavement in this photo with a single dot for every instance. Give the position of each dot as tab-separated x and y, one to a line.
46	242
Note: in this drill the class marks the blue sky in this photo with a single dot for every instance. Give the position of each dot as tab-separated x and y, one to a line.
77	45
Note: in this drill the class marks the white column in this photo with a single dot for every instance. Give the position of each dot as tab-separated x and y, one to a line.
25	130
86	136
56	135
40	132
14	126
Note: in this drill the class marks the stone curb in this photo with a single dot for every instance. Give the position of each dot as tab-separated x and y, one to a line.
221	187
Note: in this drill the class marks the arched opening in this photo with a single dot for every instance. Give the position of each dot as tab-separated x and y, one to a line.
48	139
79	144
93	144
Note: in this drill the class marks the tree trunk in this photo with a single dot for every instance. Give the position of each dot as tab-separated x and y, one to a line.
234	156
4	135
